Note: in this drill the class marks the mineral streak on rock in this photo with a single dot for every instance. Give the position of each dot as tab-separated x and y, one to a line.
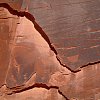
7	30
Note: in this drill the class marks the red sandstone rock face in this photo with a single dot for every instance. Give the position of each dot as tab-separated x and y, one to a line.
31	65
8	24
71	25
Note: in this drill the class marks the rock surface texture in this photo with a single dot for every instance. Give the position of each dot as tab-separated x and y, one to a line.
49	50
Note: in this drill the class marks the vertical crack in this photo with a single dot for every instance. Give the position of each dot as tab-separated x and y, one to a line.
37	27
43	34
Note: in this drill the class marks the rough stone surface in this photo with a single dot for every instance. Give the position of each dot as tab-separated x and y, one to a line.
8	24
35	94
71	25
40	57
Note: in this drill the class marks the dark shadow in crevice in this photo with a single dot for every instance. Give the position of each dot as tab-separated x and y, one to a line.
21	89
92	63
79	69
37	27
32	19
43	34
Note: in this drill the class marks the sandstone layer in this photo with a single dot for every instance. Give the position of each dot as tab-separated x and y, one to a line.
50	50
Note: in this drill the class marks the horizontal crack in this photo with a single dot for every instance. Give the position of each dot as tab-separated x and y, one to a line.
20	89
7	17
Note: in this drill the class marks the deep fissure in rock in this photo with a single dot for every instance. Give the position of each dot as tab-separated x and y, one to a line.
43	34
38	85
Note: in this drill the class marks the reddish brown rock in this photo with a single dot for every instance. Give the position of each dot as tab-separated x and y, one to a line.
31	61
7	29
16	4
83	85
28	61
35	94
72	27
29	55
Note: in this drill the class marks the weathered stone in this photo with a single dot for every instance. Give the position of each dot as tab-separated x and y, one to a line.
35	94
8	24
71	25
49	47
